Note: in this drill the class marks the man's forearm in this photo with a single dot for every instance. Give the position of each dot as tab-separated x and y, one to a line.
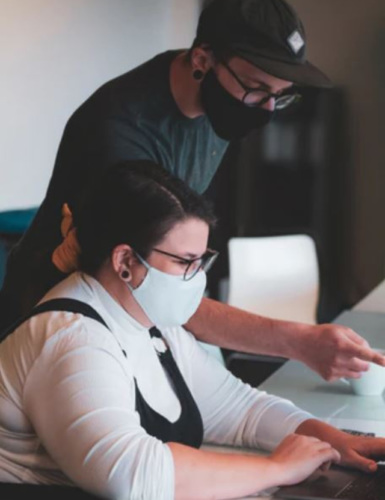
229	327
331	350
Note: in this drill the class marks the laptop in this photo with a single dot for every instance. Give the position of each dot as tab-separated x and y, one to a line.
339	482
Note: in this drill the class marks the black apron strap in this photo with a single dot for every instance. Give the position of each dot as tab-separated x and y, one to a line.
69	305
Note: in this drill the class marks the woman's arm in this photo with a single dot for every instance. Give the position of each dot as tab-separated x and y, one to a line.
233	413
205	475
80	399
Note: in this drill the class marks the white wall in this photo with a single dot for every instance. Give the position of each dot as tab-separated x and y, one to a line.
53	55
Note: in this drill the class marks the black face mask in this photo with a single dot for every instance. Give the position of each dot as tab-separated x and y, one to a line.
229	117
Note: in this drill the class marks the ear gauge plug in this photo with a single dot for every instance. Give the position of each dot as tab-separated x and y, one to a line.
198	74
125	275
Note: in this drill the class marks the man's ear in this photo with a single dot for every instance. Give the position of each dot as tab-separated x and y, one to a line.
201	58
122	258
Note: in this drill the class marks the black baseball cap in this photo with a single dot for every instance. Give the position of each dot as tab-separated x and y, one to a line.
266	33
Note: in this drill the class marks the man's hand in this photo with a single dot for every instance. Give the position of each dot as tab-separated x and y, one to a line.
335	351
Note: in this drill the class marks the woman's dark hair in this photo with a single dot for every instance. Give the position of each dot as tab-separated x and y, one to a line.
134	202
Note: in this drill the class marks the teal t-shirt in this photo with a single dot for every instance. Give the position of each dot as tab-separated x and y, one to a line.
142	120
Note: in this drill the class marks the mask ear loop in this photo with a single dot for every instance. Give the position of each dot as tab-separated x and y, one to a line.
126	274
142	261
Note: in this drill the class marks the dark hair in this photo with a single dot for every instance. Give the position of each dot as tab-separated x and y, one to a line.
219	53
134	202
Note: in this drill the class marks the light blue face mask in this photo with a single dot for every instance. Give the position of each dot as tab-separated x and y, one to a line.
167	299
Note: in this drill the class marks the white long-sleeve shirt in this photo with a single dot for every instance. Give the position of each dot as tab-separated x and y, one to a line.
67	400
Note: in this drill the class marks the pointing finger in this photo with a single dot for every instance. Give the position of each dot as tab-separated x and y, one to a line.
367	354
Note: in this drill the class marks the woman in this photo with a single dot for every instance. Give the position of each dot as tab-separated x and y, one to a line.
108	392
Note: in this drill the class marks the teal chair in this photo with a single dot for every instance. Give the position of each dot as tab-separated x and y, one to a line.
13	223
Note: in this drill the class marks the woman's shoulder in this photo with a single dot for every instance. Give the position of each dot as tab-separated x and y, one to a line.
52	337
61	331
67	325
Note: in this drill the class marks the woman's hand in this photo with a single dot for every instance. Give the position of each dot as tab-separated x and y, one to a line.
356	451
297	457
359	451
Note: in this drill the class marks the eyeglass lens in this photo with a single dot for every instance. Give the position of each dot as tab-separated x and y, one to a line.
204	263
258	97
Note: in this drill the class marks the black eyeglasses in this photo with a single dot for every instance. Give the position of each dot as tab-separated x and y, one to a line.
254	97
193	266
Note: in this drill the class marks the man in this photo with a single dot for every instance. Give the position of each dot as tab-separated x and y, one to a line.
180	109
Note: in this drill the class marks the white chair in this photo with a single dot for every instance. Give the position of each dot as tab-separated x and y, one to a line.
275	276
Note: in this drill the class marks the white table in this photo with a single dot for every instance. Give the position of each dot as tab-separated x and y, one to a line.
374	301
333	402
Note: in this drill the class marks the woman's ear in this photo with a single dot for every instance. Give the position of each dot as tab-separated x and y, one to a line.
122	259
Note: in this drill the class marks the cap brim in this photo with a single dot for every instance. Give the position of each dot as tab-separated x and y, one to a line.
299	73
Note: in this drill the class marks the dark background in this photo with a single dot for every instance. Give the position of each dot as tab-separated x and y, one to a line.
302	184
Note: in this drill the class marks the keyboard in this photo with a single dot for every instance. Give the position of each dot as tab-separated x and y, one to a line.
365	487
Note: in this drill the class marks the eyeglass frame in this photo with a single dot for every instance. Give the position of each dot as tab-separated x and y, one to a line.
205	266
248	90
